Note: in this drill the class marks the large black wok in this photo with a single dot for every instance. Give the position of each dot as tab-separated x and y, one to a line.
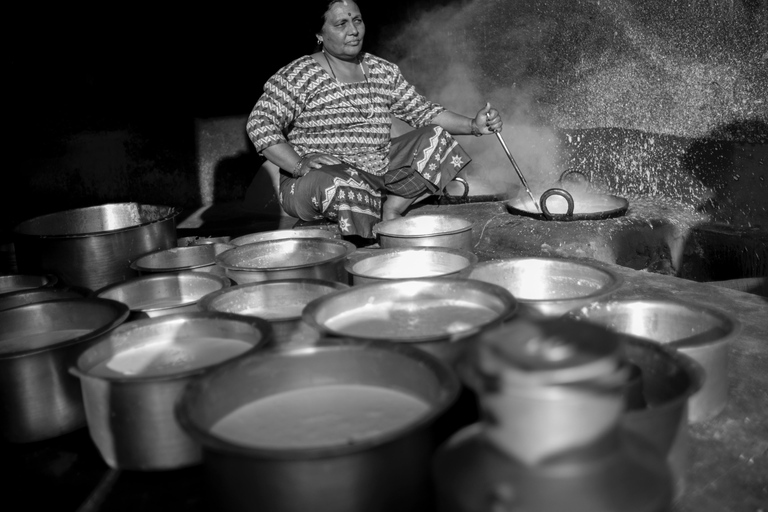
586	205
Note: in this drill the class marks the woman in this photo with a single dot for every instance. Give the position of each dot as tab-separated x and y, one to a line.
325	121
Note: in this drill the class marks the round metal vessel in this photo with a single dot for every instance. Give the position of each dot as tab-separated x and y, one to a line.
438	315
551	394
549	286
93	247
198	258
385	472
33	295
668	379
280	302
426	231
12	283
281	234
131	415
628	476
38	344
287	258
164	294
701	332
586	207
375	265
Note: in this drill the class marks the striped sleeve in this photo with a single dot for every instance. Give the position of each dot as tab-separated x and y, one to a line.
278	106
409	105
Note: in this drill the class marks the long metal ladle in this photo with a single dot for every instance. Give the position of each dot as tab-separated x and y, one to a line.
517	170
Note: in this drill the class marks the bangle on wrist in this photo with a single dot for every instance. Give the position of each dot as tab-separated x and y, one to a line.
475	129
297	168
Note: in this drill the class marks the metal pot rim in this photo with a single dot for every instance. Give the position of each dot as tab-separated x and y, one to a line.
359	256
162	276
349	246
617	279
599	215
18	230
209	441
136	264
692	369
205	302
468	227
734	325
51	280
122	311
495	290
259	323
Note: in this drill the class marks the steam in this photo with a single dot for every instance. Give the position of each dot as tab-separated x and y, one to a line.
438	53
660	74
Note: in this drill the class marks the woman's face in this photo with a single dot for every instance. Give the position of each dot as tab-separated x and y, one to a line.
343	31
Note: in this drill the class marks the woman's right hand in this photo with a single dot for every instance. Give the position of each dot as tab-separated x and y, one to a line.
315	161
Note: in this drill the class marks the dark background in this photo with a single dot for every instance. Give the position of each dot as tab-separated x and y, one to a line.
108	66
147	70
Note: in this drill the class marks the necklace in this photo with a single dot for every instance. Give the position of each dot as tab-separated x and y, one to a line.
367	113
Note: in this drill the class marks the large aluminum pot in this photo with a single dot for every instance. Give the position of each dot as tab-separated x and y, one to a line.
164	294
381	471
439	315
197	258
701	332
287	258
550	286
280	302
376	265
668	379
93	247
39	399
426	231
133	378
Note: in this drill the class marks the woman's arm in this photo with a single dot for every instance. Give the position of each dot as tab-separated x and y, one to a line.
285	157
486	121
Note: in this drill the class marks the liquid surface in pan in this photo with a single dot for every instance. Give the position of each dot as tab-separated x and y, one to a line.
411	320
330	415
167	356
586	204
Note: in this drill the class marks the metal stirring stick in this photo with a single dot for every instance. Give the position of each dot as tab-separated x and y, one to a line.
517	170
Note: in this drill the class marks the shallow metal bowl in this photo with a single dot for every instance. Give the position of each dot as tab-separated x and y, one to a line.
38	344
702	333
287	258
280	234
439	315
163	294
130	404
426	231
243	474
10	283
374	265
199	258
33	295
549	286
281	302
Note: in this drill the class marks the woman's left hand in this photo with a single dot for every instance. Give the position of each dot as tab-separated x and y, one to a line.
488	120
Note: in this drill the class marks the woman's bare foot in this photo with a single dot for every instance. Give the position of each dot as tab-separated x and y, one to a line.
385	215
394	207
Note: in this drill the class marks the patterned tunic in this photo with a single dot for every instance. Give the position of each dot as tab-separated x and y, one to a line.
305	106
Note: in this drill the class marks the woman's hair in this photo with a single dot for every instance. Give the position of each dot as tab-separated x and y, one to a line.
323	6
